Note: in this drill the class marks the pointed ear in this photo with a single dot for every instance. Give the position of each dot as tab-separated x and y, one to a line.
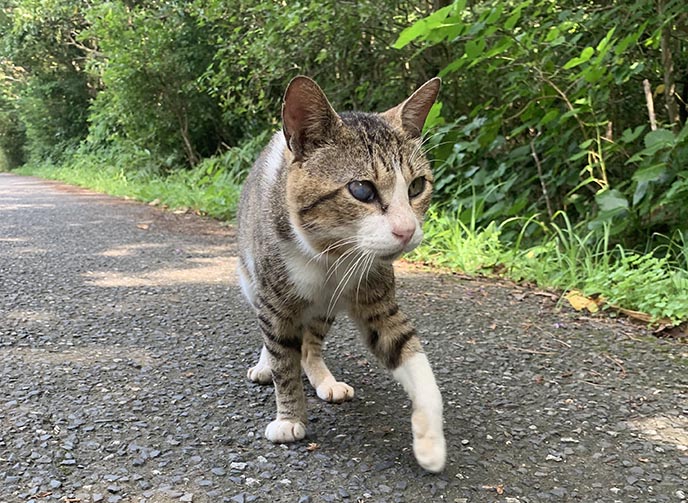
308	119
411	114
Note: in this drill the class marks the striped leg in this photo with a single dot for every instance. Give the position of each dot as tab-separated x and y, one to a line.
320	377
393	340
282	343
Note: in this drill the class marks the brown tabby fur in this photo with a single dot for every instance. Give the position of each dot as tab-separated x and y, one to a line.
300	264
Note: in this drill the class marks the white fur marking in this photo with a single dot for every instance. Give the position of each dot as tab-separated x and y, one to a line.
261	373
429	446
274	158
375	232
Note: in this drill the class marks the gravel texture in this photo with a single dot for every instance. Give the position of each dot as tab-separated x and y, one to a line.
124	344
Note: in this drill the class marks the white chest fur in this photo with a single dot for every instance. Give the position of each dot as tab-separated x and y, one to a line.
325	282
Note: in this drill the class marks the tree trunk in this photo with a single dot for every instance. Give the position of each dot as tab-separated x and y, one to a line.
669	78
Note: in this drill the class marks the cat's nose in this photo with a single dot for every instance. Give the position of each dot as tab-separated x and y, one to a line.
403	234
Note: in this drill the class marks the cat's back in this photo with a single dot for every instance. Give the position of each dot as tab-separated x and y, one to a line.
261	195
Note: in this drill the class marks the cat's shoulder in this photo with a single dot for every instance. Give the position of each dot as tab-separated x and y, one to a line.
272	159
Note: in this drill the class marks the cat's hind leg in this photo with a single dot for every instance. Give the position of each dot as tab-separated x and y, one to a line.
282	342
326	386
261	373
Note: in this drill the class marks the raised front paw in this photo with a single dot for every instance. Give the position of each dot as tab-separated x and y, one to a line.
260	374
429	445
430	452
282	431
335	391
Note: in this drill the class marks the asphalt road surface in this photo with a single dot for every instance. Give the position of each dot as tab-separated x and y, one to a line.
124	344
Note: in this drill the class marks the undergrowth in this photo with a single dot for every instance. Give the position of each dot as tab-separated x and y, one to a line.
655	283
212	188
564	258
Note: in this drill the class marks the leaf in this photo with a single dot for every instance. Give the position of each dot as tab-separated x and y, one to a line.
549	116
630	135
423	27
603	46
502	46
650	173
659	138
580	302
475	48
611	200
640	192
494	14
434	117
453	66
585	56
552	34
512	20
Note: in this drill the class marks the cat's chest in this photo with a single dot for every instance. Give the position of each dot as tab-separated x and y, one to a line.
326	283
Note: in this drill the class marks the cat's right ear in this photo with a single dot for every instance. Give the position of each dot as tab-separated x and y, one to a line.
308	119
411	114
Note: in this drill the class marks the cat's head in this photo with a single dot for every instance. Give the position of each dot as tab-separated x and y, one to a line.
357	180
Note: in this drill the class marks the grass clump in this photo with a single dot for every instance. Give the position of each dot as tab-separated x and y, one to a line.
562	257
655	283
211	188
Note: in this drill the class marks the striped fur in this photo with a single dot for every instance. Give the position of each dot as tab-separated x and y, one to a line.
310	249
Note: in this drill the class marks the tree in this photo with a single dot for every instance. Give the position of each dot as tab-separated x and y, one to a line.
51	94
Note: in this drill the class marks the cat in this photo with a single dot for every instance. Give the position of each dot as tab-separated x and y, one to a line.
327	207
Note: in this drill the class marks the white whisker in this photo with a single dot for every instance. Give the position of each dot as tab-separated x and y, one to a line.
341	286
331	270
366	267
333	246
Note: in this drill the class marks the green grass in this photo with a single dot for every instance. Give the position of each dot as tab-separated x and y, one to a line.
211	188
213	194
655	283
566	258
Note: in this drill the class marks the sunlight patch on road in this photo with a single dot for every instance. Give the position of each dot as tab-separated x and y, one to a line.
31	250
208	271
85	355
129	250
19	206
668	430
28	315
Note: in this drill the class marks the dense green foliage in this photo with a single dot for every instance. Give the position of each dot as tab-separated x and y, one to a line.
546	111
543	142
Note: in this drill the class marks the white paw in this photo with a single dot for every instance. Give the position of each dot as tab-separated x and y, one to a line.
335	391
281	431
260	374
429	445
430	452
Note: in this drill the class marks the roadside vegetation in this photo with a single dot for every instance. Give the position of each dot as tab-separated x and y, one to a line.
560	141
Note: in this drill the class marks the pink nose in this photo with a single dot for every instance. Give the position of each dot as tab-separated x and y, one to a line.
403	234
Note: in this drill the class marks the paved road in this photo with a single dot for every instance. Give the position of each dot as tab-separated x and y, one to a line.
124	344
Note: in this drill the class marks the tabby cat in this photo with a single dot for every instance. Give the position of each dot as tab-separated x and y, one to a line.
331	202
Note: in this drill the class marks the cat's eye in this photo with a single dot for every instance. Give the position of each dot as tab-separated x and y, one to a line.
417	186
363	190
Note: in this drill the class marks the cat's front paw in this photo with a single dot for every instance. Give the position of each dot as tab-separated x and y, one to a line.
429	445
335	391
430	452
260	374
282	431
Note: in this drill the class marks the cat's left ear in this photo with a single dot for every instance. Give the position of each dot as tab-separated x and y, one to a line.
308	119
411	114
